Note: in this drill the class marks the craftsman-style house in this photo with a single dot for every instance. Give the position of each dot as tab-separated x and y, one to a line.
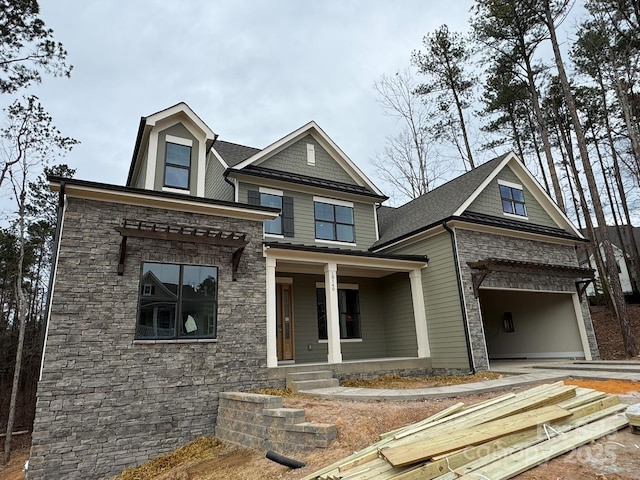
222	267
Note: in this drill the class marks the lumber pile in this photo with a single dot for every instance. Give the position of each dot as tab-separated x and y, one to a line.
496	439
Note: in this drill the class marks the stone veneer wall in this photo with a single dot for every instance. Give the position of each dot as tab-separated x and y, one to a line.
474	246
107	402
260	421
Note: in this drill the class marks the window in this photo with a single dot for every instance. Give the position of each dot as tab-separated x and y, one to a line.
177	166
177	301
334	222
512	200
348	311
270	200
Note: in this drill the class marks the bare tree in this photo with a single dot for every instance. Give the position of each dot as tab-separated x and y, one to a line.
409	161
30	139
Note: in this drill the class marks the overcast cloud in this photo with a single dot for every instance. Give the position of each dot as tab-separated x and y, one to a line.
252	70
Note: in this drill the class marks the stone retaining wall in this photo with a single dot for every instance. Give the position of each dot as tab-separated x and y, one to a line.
260	421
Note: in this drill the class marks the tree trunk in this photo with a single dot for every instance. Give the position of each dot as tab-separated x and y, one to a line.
620	307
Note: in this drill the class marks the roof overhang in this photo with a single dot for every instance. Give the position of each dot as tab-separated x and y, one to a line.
179	111
325	141
150	198
309	259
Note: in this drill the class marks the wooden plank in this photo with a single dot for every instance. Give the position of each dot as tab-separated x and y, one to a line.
425	449
442	414
523	460
476	457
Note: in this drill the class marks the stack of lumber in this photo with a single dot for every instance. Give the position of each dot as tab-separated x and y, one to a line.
496	439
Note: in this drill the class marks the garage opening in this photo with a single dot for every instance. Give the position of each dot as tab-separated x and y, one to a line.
524	325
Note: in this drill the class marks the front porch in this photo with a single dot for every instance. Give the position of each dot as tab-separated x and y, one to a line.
331	307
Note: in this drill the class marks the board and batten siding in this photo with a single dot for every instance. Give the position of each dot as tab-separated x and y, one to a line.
399	325
215	185
304	222
447	339
490	203
293	159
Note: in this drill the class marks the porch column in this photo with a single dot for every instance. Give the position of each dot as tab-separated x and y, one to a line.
333	314
419	313
272	352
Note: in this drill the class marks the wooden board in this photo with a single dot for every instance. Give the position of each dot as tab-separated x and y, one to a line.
428	448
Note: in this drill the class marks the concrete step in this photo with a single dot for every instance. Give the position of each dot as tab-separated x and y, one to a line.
310	380
313	384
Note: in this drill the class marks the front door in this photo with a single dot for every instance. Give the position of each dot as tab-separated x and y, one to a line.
284	321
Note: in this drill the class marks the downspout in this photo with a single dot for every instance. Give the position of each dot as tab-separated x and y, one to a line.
54	269
233	185
463	307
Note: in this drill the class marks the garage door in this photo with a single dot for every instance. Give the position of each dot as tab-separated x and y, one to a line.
521	324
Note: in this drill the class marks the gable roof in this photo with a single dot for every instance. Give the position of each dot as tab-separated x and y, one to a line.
323	139
454	197
147	123
233	153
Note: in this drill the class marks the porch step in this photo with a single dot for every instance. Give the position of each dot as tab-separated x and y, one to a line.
310	380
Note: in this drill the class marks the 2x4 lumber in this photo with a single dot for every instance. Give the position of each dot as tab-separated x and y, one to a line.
476	457
441	414
523	460
425	449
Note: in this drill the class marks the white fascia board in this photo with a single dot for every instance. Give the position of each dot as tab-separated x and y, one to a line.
170	203
321	137
186	110
215	153
306	256
534	188
483	185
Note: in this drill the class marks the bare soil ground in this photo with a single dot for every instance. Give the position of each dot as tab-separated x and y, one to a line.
616	457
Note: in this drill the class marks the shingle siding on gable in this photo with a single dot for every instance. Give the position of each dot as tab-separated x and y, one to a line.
488	202
294	159
304	222
214	184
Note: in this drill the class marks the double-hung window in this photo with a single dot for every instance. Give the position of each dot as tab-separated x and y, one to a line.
269	197
512	198
177	165
273	227
334	220
177	301
348	313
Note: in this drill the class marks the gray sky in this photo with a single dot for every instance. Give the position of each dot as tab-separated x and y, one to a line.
253	70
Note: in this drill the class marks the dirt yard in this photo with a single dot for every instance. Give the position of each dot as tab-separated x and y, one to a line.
359	424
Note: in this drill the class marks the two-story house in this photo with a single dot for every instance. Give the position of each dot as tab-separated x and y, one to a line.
222	267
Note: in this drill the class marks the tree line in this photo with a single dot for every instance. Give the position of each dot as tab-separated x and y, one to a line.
570	109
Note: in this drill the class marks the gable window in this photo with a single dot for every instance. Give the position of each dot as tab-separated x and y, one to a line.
334	220
348	311
512	197
177	301
268	197
177	166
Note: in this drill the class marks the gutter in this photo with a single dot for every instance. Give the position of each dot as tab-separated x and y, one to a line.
461	294
233	185
54	270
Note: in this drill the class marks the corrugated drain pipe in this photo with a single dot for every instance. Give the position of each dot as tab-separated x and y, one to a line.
463	307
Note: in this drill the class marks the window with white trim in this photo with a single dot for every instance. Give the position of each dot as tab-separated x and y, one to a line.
334	222
274	226
348	311
512	199
177	301
177	167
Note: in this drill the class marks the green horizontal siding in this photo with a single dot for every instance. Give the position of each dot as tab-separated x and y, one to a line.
400	325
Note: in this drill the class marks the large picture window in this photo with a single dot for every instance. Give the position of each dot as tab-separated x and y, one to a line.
177	301
334	222
348	311
177	166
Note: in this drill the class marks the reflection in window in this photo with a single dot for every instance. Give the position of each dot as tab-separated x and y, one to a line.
512	200
334	222
268	200
177	301
348	311
177	166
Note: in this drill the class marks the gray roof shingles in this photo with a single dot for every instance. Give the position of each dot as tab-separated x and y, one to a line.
232	153
433	207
